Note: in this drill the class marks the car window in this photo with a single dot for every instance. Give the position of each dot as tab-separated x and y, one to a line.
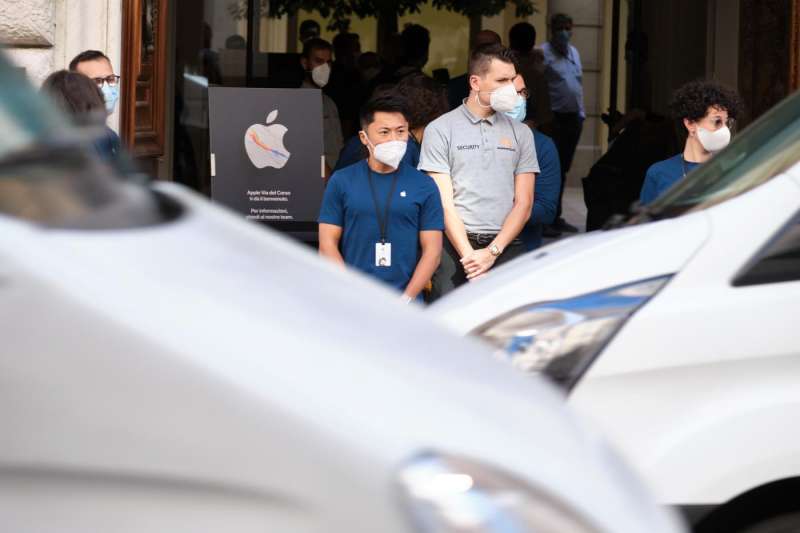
777	262
765	149
51	175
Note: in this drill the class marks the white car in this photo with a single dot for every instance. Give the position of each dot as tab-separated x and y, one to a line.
166	366
678	335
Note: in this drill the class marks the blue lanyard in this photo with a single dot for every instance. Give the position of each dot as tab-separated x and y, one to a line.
383	221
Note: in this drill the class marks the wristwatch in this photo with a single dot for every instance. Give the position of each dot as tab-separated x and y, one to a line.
494	250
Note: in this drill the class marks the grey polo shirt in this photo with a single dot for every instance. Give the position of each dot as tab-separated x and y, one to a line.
482	156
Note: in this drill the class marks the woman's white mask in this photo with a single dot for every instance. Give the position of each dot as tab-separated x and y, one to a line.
714	141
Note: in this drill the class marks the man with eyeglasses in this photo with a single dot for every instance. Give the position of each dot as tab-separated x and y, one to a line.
97	67
707	110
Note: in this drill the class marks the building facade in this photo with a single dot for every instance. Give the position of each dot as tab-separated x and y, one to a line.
634	53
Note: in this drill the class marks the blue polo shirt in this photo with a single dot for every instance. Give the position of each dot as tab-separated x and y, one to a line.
663	175
416	206
545	191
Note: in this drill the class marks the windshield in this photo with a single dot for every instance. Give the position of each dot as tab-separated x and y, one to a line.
765	149
51	175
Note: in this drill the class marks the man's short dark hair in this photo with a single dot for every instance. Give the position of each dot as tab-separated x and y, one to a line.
309	28
559	19
88	55
384	103
522	37
315	44
482	56
693	99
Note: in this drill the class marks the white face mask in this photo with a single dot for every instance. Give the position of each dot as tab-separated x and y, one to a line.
321	74
502	99
389	153
714	141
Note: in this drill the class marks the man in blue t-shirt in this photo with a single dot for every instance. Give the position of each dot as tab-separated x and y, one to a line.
381	215
545	197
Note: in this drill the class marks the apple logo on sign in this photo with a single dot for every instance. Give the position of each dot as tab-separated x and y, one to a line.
264	144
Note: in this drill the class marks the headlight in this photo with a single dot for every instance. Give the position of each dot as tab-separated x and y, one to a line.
448	494
561	338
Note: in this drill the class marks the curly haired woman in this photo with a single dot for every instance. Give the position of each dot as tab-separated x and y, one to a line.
707	110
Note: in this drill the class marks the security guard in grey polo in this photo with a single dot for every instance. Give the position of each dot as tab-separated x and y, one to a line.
485	165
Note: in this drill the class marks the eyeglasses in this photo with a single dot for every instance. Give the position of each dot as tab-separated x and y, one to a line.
111	80
524	93
716	122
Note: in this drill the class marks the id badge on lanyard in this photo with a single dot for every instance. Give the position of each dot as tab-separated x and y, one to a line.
383	254
383	249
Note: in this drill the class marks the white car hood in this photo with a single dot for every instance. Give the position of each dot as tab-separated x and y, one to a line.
209	349
574	266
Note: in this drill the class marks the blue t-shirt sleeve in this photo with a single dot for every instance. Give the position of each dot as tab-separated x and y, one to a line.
431	216
548	181
650	189
332	210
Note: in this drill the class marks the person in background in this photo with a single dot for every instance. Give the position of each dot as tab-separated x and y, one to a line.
458	87
548	181
346	86
80	99
522	39
484	164
707	110
414	41
96	66
426	100
309	29
316	62
564	74
369	65
382	216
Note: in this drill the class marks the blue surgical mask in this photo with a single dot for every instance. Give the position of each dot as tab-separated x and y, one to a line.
110	95
519	111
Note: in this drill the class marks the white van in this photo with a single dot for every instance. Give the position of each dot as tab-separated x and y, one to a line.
166	366
679	334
